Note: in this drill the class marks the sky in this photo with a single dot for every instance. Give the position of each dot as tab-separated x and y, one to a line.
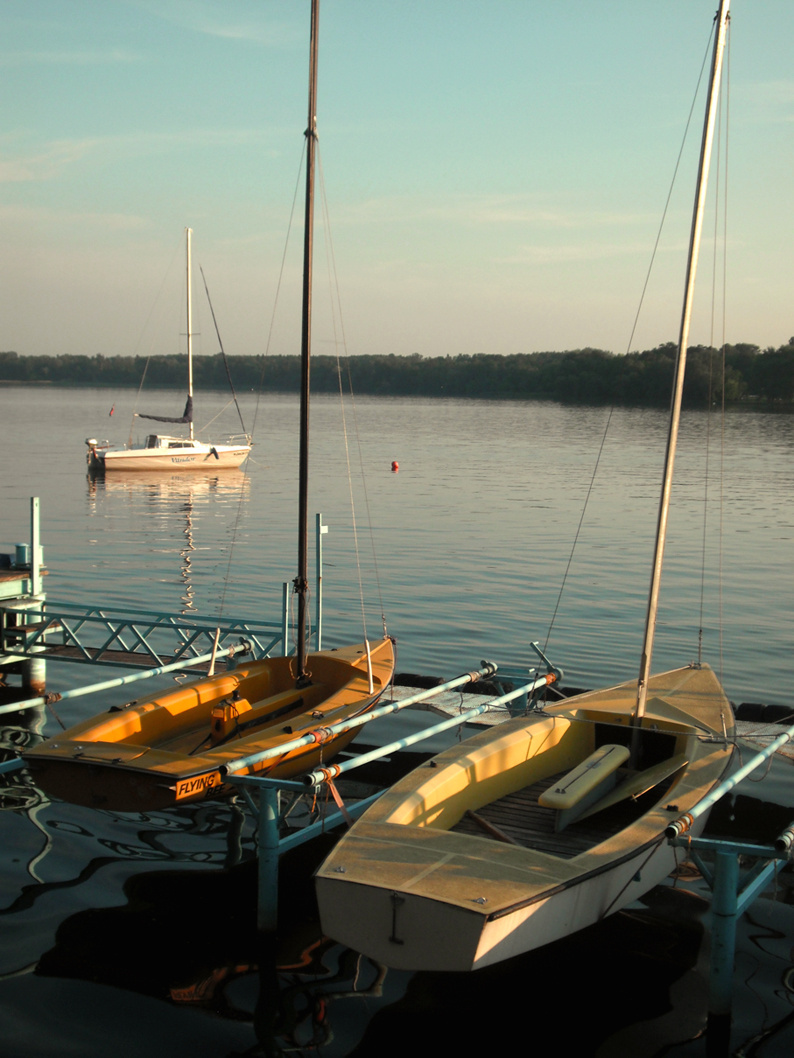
495	173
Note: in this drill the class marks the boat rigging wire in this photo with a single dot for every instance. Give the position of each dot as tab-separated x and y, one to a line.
673	179
157	301
222	601
281	272
366	499
223	353
641	302
341	338
720	199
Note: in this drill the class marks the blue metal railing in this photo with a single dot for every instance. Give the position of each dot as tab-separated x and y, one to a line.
100	635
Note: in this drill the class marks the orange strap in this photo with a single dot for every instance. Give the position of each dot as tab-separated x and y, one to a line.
340	804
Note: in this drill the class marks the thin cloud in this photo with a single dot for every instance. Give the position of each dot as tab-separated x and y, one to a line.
57	156
216	19
40	216
572	253
486	211
766	92
46	164
111	57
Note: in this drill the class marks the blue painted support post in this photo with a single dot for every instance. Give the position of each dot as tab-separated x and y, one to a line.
34	669
266	808
724	912
267	840
35	542
285	618
732	894
321	531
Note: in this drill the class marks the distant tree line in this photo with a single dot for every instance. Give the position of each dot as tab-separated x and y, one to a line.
586	376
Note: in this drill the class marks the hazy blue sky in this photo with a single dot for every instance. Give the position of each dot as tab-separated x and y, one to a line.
495	170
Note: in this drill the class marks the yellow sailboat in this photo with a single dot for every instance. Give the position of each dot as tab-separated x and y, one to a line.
176	747
528	832
545	824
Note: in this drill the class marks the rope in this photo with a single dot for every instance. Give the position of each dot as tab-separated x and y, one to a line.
341	339
714	292
630	340
259	388
206	425
721	553
232	543
49	700
670	192
278	286
579	528
366	500
156	302
639	870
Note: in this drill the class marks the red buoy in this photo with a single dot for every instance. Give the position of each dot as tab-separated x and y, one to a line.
395	466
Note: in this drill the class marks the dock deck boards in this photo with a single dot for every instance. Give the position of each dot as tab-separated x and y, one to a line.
519	816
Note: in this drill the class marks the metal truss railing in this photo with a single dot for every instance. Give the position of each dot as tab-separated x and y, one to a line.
114	636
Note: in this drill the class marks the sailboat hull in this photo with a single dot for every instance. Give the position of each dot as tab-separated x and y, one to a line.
195	455
420	884
174	748
410	932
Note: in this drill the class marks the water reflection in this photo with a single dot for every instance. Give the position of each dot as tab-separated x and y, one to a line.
473	536
189	939
163	906
163	485
17	732
173	513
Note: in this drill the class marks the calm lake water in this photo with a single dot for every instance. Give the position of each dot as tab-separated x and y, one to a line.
136	933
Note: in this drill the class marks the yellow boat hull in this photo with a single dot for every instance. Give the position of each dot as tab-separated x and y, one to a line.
174	748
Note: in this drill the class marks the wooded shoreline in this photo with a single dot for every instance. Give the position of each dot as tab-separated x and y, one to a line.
740	373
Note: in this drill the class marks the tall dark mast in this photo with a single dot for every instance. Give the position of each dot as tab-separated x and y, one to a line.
301	583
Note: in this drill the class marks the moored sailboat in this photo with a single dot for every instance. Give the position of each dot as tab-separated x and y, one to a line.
547	823
270	717
165	451
173	748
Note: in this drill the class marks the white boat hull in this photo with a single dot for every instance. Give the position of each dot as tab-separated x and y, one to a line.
412	890
199	456
435	935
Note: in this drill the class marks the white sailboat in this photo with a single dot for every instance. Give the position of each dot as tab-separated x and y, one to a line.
270	717
165	451
545	824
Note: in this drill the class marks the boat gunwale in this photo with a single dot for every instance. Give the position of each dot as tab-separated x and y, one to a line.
57	756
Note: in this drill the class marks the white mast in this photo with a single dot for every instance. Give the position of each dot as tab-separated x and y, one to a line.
188	235
678	389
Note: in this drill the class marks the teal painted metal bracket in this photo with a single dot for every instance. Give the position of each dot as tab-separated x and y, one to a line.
733	889
263	796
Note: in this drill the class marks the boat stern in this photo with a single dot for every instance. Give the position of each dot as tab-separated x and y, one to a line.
397	929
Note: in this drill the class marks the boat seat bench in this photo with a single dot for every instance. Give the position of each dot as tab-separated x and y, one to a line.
639	783
233	717
573	793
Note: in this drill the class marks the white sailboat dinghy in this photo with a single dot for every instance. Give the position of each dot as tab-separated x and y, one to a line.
545	824
165	451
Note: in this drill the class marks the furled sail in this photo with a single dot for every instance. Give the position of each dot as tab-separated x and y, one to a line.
187	415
